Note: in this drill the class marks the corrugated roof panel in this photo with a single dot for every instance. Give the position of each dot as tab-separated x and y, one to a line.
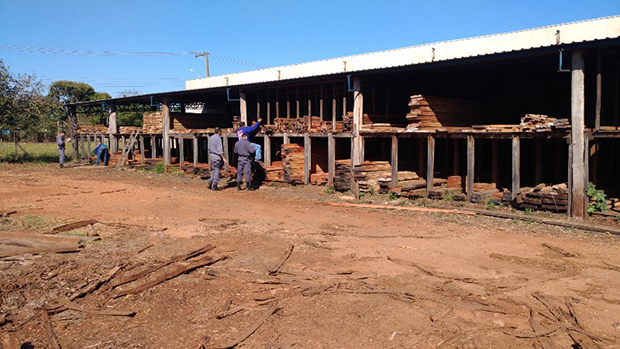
577	32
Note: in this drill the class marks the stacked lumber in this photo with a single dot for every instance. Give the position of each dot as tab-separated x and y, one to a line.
319	178
93	129
275	172
542	123
127	130
342	178
327	126
613	204
427	112
152	122
404	178
368	173
417	188
543	197
381	123
293	163
347	120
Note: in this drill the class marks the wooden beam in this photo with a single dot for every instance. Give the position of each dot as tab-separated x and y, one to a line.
142	149
268	108
334	107
288	104
344	100
226	153
257	104
358	118
394	161
112	128
243	107
153	147
285	138
470	167
321	102
267	150
494	161
209	154
578	190
430	163
537	161
277	103
297	102
307	158
82	148
331	158
88	144
123	142
586	160
599	91
181	151
195	150
516	166
74	129
165	109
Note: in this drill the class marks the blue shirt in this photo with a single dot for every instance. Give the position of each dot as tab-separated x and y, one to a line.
248	130
99	148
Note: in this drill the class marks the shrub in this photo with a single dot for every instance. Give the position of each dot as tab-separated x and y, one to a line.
599	198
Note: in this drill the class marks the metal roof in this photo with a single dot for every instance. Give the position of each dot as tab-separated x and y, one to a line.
549	36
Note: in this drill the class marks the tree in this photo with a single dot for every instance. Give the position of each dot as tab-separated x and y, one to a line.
65	91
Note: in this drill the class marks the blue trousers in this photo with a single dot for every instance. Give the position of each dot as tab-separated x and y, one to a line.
216	163
244	167
258	155
104	156
62	154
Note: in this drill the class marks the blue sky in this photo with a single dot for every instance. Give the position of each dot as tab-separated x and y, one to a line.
267	33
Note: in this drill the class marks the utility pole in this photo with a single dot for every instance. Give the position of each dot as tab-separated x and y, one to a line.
206	56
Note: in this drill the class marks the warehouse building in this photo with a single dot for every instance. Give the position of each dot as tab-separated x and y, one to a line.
486	115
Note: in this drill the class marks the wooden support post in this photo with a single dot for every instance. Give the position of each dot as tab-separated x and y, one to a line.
112	128
288	104
83	149
285	138
267	150
538	161
334	106
354	186
599	91
257	105
297	109
586	160
74	129
142	149
226	153
344	101
362	150
307	158
578	190
277	103
455	157
122	142
268	108
494	161
209	154
394	161
195	150
516	166
88	145
153	147
165	111
331	158
470	167
243	107
430	163
358	118
321	102
181	151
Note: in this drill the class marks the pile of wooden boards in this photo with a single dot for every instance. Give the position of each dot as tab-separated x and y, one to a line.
275	172
543	197
293	163
300	125
381	123
542	123
152	122
342	178
126	130
368	173
427	112
613	204
93	129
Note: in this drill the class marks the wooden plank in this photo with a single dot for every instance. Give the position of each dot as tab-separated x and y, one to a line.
195	150
578	190
72	226
153	147
274	270
470	167
516	166
142	149
358	120
334	107
82	148
430	163
257	105
394	161
331	158
268	108
165	121
288	104
297	109
233	343
243	107
88	145
267	150
226	153
586	165
307	158
309	102
285	138
113	129
321	102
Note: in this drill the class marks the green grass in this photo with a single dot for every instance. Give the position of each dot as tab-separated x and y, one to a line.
36	152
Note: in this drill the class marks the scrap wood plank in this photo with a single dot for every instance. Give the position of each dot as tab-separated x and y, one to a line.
207	260
496	214
71	226
7	213
34	251
427	271
48	328
155	268
559	250
65	303
94	286
274	270
245	335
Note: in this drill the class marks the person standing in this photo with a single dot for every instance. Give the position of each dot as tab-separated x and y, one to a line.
217	158
60	142
245	151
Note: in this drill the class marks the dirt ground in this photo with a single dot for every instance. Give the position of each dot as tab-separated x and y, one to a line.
356	278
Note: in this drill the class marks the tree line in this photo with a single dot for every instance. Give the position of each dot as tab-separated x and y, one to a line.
32	112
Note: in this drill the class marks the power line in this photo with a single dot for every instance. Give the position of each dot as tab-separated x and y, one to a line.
59	51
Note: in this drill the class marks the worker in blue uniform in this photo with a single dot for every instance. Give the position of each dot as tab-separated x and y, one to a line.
245	151
102	153
248	130
216	153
